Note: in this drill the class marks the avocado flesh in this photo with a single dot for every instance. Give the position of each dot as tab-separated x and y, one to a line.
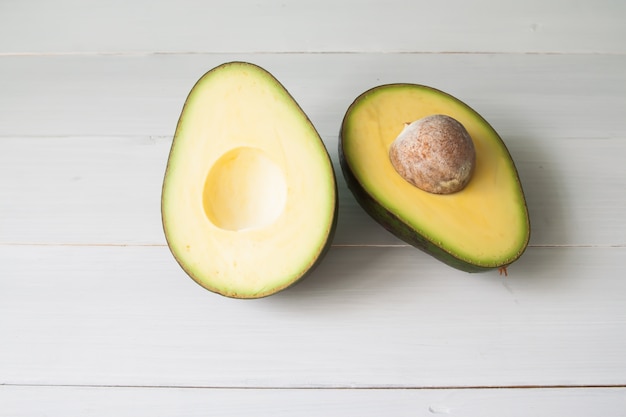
484	226
249	196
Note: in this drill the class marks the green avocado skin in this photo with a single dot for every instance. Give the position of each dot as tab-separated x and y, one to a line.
308	272
331	230
394	225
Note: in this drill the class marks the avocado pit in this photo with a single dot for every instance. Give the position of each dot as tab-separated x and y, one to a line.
435	154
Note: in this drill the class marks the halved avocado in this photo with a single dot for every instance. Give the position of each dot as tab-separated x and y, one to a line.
249	196
483	226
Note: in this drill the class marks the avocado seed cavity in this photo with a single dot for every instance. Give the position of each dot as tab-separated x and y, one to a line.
243	190
435	154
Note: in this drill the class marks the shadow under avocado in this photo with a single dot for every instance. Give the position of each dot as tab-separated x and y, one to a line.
345	269
545	191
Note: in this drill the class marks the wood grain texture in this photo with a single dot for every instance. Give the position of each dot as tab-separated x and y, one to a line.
70	26
96	318
107	190
524	96
90	168
367	317
157	402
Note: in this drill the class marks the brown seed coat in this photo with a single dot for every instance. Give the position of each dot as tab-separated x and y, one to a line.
436	154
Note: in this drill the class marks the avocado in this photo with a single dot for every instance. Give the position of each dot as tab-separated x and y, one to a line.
481	225
249	198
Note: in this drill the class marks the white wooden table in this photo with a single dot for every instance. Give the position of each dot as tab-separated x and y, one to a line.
97	319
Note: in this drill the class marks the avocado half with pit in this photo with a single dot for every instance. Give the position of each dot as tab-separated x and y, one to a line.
249	197
484	225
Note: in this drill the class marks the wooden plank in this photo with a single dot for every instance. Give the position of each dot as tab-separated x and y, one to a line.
155	402
525	97
107	190
368	317
97	318
82	190
114	26
100	189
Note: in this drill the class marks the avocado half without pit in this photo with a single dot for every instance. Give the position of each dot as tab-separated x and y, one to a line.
434	173
249	197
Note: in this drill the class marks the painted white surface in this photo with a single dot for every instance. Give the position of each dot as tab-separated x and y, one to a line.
69	26
66	190
524	96
102	121
367	317
97	318
156	402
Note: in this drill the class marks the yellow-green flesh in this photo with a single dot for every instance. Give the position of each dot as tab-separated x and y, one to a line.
486	223
249	193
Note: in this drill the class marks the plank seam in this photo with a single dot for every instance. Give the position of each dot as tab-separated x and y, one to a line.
339	245
339	387
319	52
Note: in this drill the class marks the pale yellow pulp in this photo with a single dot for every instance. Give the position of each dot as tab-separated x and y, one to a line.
484	223
244	189
249	195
